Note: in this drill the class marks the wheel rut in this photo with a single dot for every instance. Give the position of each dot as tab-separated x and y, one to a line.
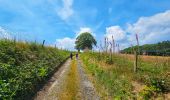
70	82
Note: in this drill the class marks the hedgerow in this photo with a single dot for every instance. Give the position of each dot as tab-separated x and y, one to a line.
25	67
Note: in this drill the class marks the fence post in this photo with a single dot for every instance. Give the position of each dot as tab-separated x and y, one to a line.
14	40
43	43
135	61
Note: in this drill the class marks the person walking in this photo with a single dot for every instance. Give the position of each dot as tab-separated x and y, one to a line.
77	56
71	55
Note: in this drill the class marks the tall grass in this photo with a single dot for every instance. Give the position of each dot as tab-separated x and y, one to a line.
119	76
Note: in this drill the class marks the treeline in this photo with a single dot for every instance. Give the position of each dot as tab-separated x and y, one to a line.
25	67
160	49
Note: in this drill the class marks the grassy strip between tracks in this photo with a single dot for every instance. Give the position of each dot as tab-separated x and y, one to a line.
71	85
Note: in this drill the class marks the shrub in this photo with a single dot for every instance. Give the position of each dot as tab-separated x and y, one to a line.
24	67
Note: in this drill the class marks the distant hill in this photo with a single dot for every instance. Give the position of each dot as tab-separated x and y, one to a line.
161	48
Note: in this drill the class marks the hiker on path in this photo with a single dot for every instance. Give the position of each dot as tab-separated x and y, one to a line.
77	55
71	55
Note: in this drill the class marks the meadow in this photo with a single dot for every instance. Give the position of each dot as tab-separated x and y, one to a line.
114	77
26	67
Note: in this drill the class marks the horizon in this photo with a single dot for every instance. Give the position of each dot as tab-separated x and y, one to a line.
61	21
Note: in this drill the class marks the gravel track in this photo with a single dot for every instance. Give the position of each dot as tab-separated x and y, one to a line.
56	84
87	88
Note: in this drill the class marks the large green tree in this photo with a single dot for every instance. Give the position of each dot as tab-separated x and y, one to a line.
85	40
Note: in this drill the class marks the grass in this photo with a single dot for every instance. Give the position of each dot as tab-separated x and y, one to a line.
25	67
152	59
118	77
71	86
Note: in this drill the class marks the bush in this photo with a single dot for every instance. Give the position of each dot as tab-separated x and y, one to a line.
147	92
24	67
162	83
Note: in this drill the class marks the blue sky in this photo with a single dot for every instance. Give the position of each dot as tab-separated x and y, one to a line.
60	21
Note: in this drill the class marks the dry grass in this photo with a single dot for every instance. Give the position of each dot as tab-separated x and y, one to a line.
71	88
104	65
147	58
121	71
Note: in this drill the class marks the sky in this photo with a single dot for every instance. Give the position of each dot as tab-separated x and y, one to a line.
59	22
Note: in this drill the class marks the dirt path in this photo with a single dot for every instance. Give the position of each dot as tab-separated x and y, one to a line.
68	83
87	88
54	85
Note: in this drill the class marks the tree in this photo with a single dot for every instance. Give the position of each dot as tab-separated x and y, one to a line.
161	48
85	40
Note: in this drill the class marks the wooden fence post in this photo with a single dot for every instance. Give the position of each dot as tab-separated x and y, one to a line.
43	43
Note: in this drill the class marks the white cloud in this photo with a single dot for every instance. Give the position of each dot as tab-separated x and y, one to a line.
65	43
4	33
116	32
69	43
84	29
66	11
151	29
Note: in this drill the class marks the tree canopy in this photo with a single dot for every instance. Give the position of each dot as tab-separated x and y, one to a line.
161	48
85	40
